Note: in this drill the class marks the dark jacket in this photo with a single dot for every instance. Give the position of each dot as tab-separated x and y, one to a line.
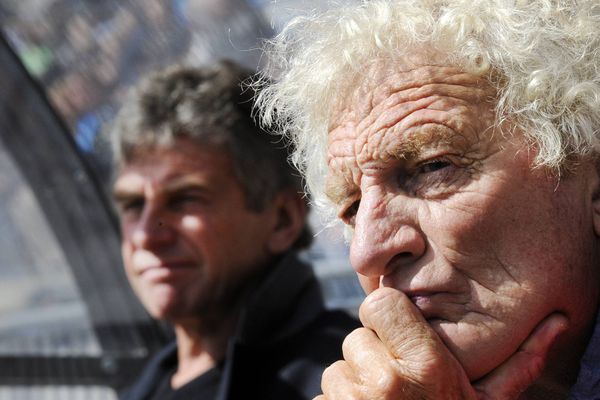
587	386
284	341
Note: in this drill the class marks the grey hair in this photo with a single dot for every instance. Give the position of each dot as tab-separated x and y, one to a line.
209	105
542	56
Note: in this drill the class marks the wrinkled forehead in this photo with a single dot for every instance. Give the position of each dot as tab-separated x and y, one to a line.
373	85
399	111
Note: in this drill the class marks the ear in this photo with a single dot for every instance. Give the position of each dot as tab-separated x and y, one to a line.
596	198
596	216
290	215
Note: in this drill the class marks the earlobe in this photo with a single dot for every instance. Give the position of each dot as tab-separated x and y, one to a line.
290	211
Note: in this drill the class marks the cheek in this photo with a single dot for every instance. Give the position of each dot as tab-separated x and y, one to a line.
511	231
127	255
191	223
526	254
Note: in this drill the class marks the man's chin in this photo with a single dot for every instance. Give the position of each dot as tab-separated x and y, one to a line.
167	314
163	308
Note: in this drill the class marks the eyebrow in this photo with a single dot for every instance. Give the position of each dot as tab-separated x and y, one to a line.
337	189
429	135
188	182
178	184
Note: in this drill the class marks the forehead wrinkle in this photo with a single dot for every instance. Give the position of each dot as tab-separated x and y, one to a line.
340	139
449	106
341	182
381	84
345	144
382	109
407	138
385	127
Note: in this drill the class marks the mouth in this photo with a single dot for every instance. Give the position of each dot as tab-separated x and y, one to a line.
166	270
439	305
425	305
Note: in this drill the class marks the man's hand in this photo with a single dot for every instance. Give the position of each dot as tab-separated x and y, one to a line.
398	356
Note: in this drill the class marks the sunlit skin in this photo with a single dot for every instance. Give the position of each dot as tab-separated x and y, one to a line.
188	239
452	213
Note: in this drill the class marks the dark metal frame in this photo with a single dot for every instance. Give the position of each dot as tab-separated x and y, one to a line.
80	216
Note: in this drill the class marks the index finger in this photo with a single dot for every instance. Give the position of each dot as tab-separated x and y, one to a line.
398	324
427	369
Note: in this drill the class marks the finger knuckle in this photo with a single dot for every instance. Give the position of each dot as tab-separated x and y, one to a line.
333	371
390	382
355	339
380	299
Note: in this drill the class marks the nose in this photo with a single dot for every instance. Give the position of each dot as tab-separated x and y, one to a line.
386	234
151	230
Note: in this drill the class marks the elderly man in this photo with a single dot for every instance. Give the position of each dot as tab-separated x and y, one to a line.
211	218
459	142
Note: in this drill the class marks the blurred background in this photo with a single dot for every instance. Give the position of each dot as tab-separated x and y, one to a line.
70	327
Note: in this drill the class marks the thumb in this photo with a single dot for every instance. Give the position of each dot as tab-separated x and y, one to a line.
516	374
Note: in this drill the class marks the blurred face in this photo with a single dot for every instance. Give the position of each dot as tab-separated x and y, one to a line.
188	240
452	214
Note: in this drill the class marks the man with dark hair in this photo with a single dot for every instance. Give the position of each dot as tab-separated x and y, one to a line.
211	217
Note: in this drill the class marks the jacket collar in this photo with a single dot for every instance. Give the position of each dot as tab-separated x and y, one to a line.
285	301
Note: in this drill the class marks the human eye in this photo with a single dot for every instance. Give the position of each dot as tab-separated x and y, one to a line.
435	177
186	200
348	213
130	206
432	166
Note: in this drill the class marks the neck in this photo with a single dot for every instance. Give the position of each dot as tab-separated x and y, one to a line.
202	341
200	348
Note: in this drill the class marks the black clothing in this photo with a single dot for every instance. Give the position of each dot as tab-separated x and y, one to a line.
204	386
284	340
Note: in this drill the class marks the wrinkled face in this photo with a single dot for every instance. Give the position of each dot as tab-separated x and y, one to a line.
188	239
450	212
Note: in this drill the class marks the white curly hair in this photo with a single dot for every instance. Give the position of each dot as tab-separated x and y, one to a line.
542	56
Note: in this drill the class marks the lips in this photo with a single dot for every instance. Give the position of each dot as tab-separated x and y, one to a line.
439	305
426	305
165	270
144	261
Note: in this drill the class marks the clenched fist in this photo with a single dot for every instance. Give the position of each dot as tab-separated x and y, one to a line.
398	356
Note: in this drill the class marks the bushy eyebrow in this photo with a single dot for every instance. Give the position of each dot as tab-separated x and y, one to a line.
431	134
337	188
